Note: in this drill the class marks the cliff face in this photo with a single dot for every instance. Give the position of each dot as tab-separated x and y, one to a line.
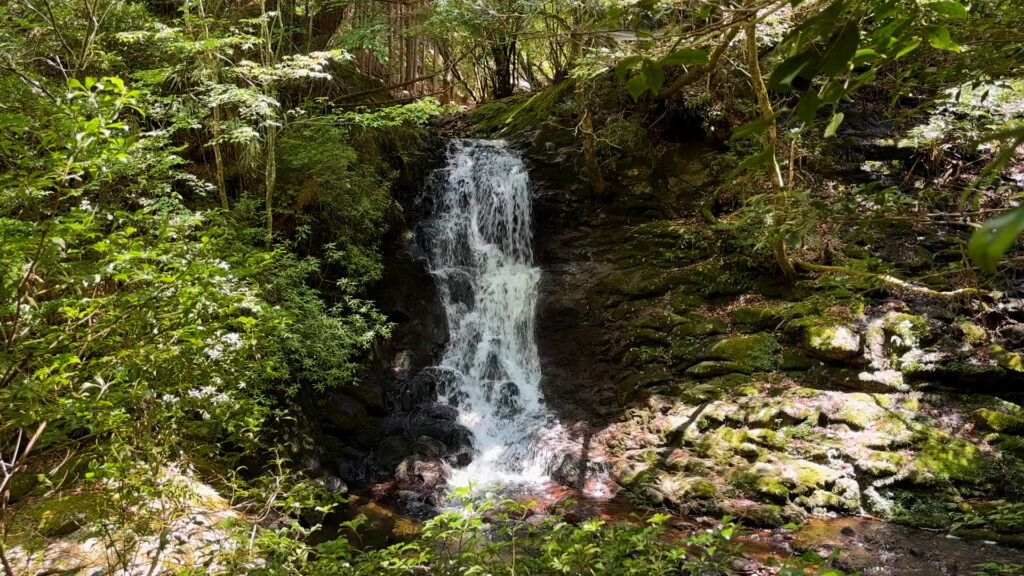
697	379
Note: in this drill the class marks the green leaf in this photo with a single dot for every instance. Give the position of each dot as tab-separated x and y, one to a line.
636	86
910	47
939	38
837	119
785	73
807	109
685	57
994	238
653	75
755	161
842	51
623	66
948	8
753	127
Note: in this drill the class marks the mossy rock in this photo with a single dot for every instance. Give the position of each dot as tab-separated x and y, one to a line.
697	325
974	335
712	368
858	410
663	322
754	351
771	487
56	517
832	342
665	244
905	331
768	438
758	515
880	463
1007	360
695	489
757	317
646	336
793	359
683	301
942	457
808	476
999	421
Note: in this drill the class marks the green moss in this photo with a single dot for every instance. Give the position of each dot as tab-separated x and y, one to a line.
832	342
974	335
684	301
700	488
646	336
793	359
769	438
697	325
762	515
663	322
999	421
773	488
665	244
858	410
711	368
520	112
60	516
755	351
878	463
1007	360
944	457
909	328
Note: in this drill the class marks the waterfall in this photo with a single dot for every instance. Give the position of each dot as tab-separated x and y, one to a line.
479	250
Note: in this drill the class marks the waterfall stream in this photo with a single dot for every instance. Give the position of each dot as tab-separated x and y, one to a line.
479	251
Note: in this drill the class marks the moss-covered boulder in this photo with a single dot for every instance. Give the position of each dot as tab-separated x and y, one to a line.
942	458
904	331
794	359
1005	422
697	325
56	517
832	342
754	351
1007	360
712	368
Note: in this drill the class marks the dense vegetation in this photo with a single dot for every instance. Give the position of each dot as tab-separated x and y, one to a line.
194	196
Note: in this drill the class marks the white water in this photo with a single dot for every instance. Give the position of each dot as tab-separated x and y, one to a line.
479	250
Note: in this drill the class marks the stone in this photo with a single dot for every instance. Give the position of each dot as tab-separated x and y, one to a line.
698	325
794	359
840	343
904	331
1004	422
857	409
1007	360
712	368
754	351
942	457
878	463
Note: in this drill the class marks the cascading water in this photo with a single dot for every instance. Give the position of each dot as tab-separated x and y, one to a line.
479	250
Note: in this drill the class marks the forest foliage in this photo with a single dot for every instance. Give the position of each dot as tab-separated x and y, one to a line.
193	195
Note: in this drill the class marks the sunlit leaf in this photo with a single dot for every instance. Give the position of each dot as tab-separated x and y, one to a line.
994	238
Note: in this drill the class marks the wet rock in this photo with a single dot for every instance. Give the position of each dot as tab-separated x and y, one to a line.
571	510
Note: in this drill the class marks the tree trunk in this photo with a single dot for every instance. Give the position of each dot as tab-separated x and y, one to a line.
771	139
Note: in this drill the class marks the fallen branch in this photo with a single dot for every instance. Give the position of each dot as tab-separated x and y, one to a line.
900	284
